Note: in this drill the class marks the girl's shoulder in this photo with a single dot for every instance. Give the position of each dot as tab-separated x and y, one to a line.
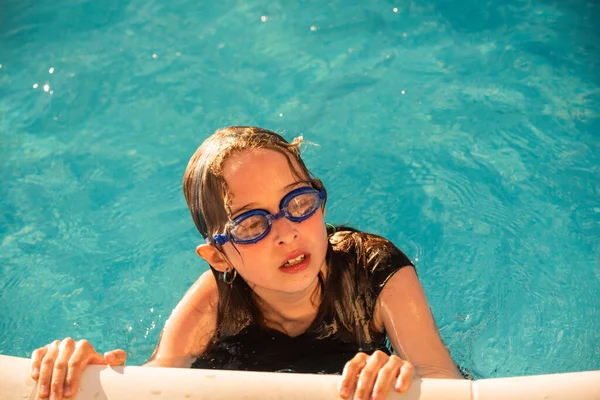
372	259
191	326
203	295
361	264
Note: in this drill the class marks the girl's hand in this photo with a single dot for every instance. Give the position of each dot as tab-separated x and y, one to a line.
373	376
58	366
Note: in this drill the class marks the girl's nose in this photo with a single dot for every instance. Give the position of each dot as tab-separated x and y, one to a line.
285	230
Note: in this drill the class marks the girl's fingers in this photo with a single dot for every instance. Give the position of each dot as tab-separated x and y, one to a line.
61	366
46	367
115	357
373	377
386	377
36	361
407	372
368	375
86	354
83	355
350	374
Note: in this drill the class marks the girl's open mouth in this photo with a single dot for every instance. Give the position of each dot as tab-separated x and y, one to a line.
296	264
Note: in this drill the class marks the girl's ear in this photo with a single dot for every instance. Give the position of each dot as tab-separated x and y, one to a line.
213	256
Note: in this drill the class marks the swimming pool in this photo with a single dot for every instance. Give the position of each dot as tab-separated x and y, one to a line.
466	132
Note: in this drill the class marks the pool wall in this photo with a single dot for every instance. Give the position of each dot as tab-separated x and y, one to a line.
125	383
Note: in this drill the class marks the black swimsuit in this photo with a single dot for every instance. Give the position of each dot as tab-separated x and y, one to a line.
259	348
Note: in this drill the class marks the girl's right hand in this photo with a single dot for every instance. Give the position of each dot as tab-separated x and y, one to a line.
58	366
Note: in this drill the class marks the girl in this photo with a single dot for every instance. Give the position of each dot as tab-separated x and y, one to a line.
285	291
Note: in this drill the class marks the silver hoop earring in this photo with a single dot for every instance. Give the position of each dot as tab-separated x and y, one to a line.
229	282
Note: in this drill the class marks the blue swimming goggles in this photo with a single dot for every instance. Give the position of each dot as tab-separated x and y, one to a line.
254	225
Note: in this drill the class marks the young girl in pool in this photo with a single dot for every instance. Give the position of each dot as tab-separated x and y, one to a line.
285	291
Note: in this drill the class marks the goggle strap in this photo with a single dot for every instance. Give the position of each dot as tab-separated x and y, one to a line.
220	240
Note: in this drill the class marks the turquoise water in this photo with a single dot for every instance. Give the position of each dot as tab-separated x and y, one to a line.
466	132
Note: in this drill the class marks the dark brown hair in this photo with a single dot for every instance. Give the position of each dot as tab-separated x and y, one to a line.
351	255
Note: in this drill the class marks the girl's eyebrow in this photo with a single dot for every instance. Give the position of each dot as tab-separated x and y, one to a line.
253	204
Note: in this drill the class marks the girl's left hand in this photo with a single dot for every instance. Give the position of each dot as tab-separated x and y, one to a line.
373	376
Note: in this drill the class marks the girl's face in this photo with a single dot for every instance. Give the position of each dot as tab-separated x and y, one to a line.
259	179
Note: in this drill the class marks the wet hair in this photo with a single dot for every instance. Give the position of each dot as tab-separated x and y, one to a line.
343	299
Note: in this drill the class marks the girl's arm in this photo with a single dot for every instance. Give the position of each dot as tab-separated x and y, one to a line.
403	311
190	327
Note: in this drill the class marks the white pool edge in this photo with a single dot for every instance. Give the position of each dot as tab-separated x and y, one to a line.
134	383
